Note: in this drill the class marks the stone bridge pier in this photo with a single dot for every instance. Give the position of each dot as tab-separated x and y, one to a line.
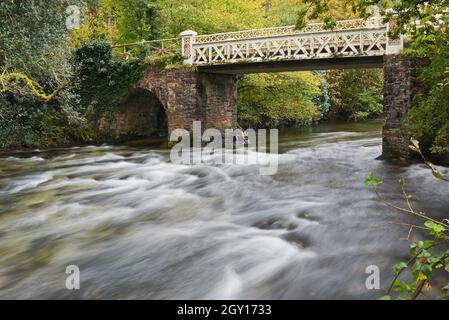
401	84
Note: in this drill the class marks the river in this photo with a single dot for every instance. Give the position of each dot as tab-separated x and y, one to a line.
141	227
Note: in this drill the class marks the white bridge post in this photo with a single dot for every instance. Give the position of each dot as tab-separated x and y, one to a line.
188	39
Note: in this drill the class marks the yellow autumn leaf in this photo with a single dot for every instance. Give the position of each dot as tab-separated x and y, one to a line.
437	175
421	276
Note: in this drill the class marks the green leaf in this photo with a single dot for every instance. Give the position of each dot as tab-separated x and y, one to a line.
427	244
373	180
387	297
398	267
446	264
426	269
329	23
410	288
399	286
433	259
434	228
419	244
424	253
446	288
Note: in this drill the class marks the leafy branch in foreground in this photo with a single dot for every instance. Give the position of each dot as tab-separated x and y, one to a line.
426	256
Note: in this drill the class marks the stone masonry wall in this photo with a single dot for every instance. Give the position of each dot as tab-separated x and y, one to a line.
219	100
400	86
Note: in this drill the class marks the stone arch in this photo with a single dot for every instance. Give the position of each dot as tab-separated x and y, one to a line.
190	96
141	114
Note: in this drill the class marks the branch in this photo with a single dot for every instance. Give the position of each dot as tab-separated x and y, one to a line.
419	289
35	87
419	214
406	198
400	271
409	233
423	282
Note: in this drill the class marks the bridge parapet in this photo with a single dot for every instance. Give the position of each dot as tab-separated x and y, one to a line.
356	37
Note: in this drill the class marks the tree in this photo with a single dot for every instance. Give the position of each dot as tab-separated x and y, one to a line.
34	60
123	21
175	16
278	100
355	94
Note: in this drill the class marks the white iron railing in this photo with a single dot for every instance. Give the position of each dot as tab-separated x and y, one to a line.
348	38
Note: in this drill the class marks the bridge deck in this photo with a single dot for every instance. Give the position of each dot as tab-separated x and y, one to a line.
295	65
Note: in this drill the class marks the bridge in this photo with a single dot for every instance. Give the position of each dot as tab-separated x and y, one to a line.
314	47
206	91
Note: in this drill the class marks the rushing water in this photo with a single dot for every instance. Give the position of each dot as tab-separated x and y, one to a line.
141	227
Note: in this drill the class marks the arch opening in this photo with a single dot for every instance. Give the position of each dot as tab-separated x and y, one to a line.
142	115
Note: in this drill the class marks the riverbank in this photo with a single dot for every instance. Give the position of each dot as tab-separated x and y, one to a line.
161	143
154	141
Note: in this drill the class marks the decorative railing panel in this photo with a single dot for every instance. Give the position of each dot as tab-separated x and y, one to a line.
304	46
